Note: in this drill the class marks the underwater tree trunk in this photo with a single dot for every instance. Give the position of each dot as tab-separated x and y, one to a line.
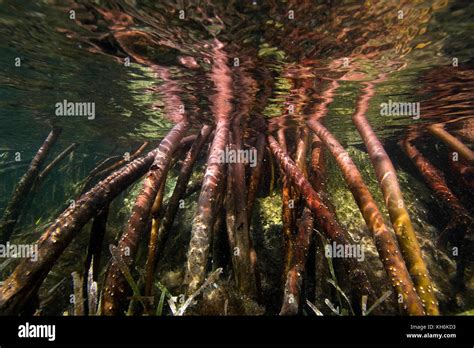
25	280
385	242
24	186
452	142
115	286
203	220
387	178
323	216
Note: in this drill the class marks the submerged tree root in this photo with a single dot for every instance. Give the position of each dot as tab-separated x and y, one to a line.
116	286
24	186
452	142
203	220
331	228
161	232
387	178
386	244
301	241
460	223
25	280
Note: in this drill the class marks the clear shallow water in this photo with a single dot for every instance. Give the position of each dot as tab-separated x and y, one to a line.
290	62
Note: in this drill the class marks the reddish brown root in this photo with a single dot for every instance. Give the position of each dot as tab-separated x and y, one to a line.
323	217
387	178
116	287
385	242
27	277
23	188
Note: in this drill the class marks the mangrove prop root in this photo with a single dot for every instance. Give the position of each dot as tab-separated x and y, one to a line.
253	186
254	180
300	241
218	233
301	150
78	299
287	214
294	279
237	229
237	216
460	219
104	169
384	240
199	244
154	236
94	249
452	142
203	220
18	289
387	178
24	186
323	217
116	287
180	189
54	163
123	161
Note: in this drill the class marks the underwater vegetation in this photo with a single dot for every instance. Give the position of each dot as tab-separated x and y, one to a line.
236	157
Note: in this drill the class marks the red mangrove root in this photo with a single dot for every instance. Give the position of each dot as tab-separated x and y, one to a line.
29	274
154	237
294	278
116	287
237	224
300	241
203	220
182	189
287	217
387	178
434	178
94	250
385	242
452	142
255	176
323	216
24	186
54	163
